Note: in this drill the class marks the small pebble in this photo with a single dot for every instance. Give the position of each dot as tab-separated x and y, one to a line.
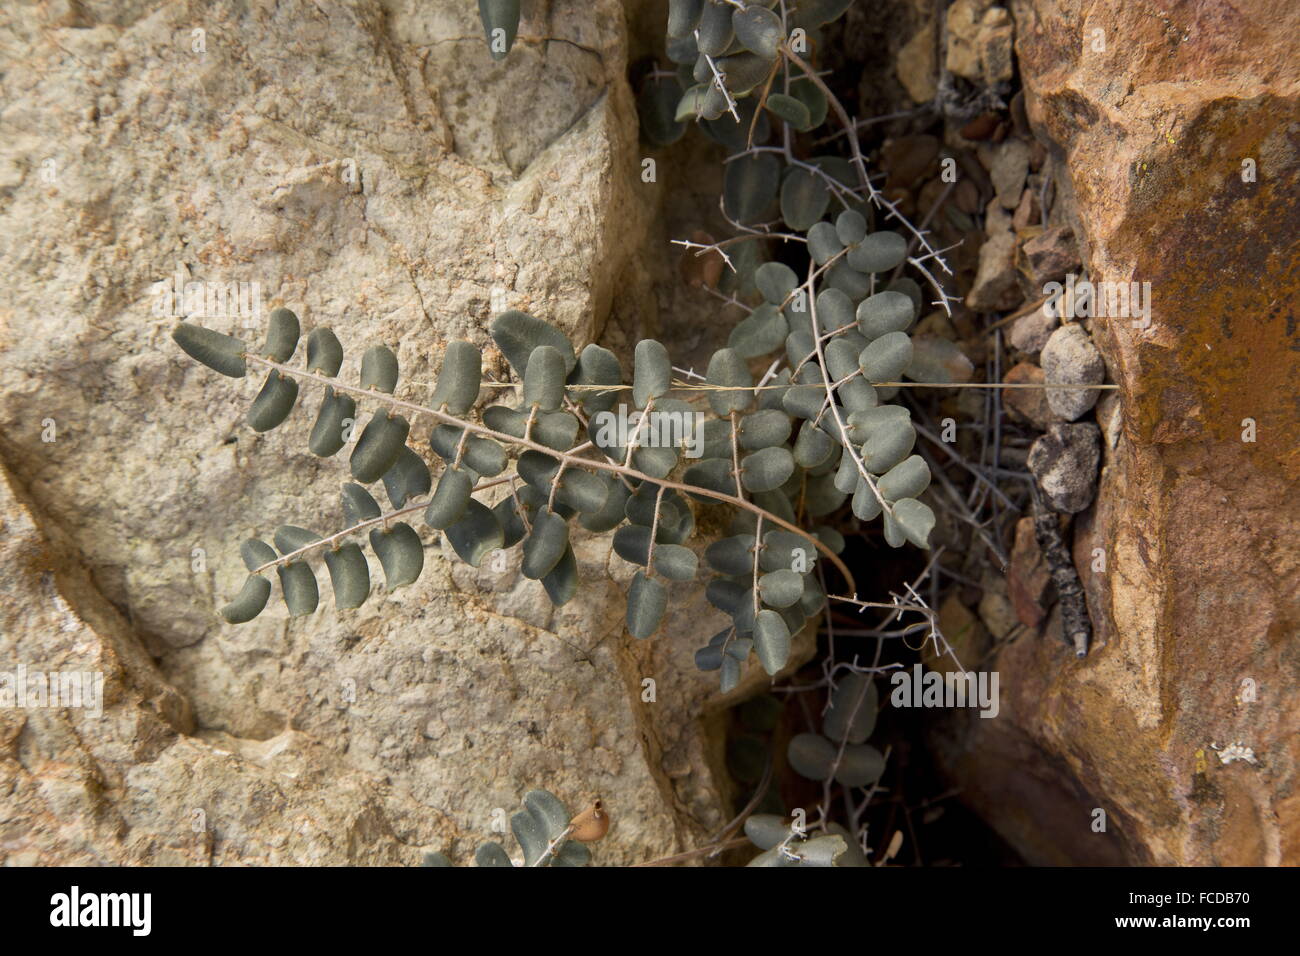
1070	358
1064	462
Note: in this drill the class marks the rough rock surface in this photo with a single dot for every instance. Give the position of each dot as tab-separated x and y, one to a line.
1070	358
1008	166
1030	332
1047	257
995	286
370	167
1028	576
916	65
1189	557
1029	404
1064	462
979	41
1029	212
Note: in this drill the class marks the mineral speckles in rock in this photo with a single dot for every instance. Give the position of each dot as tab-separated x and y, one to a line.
1064	462
1070	358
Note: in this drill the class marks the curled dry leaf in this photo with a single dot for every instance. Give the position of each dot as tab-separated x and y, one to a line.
591	824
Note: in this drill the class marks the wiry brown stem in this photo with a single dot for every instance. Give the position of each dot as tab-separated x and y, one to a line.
383	520
860	164
562	456
762	101
654	533
329	542
735	457
710	850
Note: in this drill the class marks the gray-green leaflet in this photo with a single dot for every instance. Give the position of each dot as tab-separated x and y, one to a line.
547	834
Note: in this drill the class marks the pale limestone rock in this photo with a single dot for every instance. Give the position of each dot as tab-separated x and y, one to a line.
995	607
1008	170
995	287
980	38
916	65
1030	332
1070	358
963	35
995	41
371	167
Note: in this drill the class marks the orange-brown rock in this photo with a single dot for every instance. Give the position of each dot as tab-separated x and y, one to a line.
1189	556
1027	404
1028	576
